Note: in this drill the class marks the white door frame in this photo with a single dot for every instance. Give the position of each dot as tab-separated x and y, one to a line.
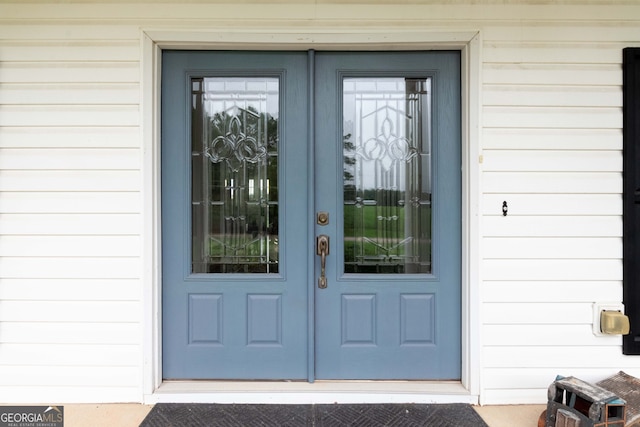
153	388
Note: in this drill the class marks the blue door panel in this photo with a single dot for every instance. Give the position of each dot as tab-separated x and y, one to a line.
363	326
233	326
390	326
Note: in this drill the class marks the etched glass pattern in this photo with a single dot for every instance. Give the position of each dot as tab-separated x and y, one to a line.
387	175
234	181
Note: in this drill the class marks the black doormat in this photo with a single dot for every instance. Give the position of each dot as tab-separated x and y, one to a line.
337	415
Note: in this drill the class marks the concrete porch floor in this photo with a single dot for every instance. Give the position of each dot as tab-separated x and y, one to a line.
131	415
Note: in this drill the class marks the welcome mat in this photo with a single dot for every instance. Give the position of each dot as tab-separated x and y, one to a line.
365	415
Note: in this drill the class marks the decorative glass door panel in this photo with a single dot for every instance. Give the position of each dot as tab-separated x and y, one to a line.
388	169
311	215
235	175
233	275
387	175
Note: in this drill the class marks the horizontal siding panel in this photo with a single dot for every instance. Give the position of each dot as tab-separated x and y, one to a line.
558	357
70	137
37	376
545	335
70	311
68	180
85	159
70	94
552	291
69	72
69	268
512	313
307	10
69	115
554	204
12	30
549	248
507	378
82	333
552	182
66	202
70	224
55	355
78	394
552	269
70	246
552	117
548	160
550	96
70	289
552	139
582	32
551	226
552	52
552	74
498	12
66	50
124	11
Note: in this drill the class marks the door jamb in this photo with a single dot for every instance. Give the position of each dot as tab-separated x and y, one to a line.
469	44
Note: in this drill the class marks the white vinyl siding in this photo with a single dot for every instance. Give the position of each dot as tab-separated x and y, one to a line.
552	140
70	205
72	192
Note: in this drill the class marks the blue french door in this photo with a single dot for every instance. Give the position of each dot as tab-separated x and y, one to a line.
234	184
310	215
388	171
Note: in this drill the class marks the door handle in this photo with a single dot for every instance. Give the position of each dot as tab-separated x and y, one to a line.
322	249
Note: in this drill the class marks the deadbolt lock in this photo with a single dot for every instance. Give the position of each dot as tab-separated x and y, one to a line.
323	218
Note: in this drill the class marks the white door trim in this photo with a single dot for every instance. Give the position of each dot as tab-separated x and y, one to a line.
244	38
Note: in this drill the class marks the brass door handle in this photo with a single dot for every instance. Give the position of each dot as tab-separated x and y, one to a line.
322	249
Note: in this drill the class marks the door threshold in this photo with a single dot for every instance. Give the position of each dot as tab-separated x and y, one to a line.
319	392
